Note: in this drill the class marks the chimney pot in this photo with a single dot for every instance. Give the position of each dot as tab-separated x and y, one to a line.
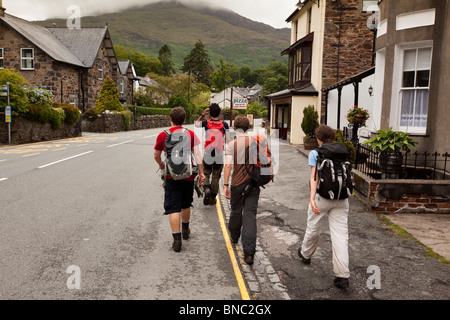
2	10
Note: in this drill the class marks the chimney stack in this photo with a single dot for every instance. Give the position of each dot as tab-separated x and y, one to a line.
2	10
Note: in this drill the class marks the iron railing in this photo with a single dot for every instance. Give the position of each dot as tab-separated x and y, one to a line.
416	165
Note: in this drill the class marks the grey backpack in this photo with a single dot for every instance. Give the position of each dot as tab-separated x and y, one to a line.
178	154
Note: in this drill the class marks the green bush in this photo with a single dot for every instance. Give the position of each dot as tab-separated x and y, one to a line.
40	96
45	114
57	117
189	107
127	114
310	121
17	94
108	98
144	111
72	113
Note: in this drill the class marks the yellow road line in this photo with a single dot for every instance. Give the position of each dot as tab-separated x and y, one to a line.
237	271
2	160
29	155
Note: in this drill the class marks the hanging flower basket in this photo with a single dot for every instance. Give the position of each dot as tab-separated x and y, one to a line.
358	115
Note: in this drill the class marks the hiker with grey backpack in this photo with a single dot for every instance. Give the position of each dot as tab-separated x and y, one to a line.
182	163
330	187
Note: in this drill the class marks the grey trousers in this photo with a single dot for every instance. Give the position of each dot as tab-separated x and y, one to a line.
243	217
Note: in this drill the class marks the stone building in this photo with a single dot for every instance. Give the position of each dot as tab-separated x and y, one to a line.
125	83
330	41
72	63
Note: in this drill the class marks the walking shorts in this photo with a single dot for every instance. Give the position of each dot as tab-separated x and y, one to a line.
179	194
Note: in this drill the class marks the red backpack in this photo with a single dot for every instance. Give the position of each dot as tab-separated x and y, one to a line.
263	171
214	136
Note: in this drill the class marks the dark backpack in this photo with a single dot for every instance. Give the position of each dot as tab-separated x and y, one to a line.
178	154
260	156
334	172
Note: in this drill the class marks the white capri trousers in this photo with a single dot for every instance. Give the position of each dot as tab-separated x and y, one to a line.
337	211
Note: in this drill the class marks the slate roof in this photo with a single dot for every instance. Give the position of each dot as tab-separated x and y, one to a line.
84	43
42	38
77	47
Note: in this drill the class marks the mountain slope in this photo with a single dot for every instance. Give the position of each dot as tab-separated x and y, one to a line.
225	34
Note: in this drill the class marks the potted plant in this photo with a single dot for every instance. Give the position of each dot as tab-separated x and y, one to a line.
310	123
390	144
358	115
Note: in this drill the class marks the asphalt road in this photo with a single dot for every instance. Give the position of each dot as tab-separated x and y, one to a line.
83	219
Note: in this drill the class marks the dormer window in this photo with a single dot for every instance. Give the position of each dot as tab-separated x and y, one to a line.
27	58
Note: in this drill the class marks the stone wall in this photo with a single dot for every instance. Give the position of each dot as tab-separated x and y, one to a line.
26	131
403	196
352	53
109	123
62	79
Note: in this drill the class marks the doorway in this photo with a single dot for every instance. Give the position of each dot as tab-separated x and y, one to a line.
283	120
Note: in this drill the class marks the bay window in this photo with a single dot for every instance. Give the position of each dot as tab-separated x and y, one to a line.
414	91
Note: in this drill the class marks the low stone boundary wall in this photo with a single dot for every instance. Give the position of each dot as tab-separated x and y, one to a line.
403	196
110	123
26	131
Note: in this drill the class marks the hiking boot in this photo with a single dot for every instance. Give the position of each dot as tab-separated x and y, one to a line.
207	197
249	258
186	232
176	245
304	260
213	199
341	283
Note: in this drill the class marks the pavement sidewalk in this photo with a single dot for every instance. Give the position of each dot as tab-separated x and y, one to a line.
405	269
432	230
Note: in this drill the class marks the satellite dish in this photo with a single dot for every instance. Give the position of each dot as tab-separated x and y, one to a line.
373	21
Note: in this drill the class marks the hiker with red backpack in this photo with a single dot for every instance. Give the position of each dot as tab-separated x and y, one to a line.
330	187
213	160
249	163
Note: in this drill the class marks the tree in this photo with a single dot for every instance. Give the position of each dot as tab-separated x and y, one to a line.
143	64
17	94
177	85
197	63
221	77
165	57
108	98
275	84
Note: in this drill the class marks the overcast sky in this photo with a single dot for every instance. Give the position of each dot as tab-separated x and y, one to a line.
271	12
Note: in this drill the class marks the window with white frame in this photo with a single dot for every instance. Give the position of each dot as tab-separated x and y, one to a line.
415	87
1	58
27	58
